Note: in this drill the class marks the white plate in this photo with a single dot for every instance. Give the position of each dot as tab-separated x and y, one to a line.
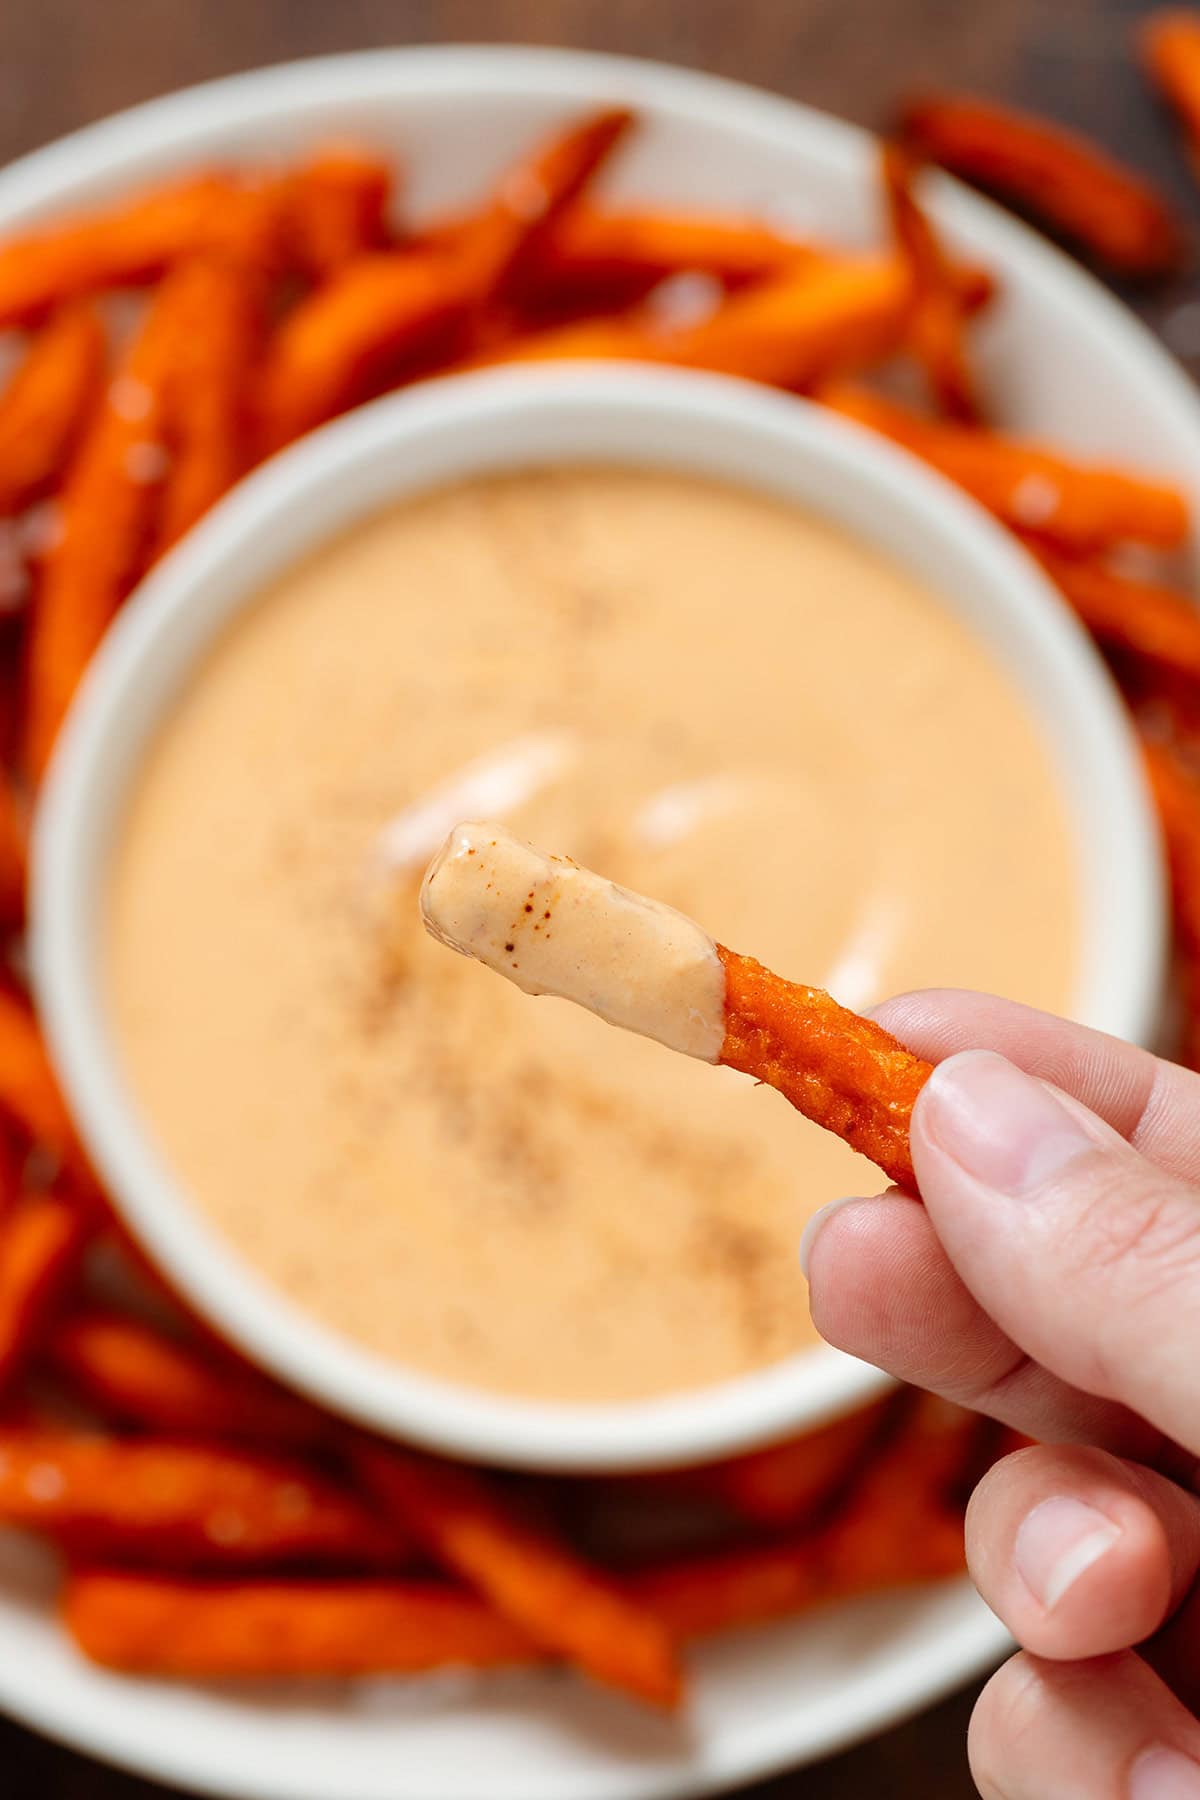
1060	357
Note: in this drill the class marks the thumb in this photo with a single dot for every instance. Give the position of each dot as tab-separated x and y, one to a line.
1086	1254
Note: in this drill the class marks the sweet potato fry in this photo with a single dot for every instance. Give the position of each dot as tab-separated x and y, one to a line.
786	1484
186	1506
1055	175
203	1630
607	258
622	338
206	423
119	246
471	1526
1079	507
800	328
46	404
29	1094
143	1378
901	1524
335	209
842	1071
12	855
494	247
1169	43
804	327
1158	625
599	259
108	508
1188	979
644	967
1176	789
353	334
42	1243
11	1168
937	332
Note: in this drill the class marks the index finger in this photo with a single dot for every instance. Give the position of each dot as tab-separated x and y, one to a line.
1154	1104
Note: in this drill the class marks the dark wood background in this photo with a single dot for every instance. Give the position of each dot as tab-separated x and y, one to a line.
66	62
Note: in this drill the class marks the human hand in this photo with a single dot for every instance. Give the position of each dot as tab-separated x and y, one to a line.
1052	1279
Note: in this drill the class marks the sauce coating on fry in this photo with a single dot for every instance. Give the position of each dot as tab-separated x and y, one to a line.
553	927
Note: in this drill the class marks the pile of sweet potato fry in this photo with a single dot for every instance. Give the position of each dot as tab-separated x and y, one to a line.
210	1523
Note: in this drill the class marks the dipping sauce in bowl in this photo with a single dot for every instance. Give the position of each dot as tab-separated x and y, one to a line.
707	693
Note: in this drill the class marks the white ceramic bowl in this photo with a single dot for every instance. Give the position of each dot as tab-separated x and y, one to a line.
501	420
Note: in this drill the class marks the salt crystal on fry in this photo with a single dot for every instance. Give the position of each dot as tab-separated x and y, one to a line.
146	463
225	1527
130	399
1034	500
683	300
524	193
41	528
291	1502
44	1482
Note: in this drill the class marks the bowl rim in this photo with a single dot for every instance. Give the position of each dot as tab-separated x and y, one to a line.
281	501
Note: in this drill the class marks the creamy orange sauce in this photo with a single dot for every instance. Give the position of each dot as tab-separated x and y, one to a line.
553	927
705	693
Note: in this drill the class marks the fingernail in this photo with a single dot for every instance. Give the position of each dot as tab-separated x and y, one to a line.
1056	1542
816	1225
1163	1774
1001	1126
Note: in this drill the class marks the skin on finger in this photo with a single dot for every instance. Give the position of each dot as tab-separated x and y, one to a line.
1105	1729
1084	1252
1079	1553
1153	1104
882	1288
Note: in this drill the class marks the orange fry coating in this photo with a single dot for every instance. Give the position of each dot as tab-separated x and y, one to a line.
613	257
118	246
205	1629
218	302
12	855
495	245
939	312
571	1609
594	253
1169	43
335	208
899	1525
42	1243
1079	507
802	327
1176	790
841	1070
342	343
11	1163
141	1377
1056	175
185	1505
29	1094
46	404
785	1484
1159	625
107	509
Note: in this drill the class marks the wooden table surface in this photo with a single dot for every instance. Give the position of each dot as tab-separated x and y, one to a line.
66	62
